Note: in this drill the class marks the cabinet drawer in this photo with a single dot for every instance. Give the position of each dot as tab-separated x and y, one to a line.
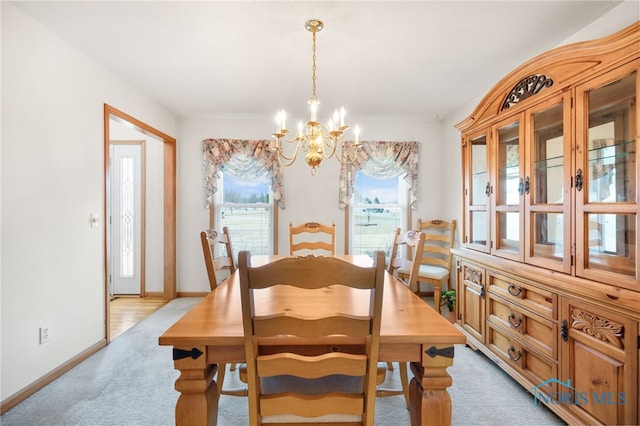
535	367
535	299
532	329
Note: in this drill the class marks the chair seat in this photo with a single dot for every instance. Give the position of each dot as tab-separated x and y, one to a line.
432	272
326	384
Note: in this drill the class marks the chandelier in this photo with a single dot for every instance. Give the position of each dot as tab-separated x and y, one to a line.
318	140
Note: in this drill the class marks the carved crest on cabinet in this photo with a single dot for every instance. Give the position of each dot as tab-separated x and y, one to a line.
601	328
473	276
525	88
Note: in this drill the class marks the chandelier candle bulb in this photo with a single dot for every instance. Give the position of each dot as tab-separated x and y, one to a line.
314	111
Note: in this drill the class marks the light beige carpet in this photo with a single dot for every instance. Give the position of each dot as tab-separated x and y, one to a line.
131	381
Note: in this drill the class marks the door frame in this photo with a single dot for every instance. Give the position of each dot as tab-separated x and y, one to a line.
169	185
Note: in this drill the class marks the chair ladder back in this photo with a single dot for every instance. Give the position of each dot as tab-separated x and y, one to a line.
311	237
438	242
210	239
407	267
342	383
436	257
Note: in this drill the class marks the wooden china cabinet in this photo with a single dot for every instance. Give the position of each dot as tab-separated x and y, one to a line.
547	272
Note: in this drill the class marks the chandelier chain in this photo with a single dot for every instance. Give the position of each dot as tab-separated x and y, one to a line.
313	70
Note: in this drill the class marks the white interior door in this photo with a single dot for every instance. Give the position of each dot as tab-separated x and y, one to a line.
126	229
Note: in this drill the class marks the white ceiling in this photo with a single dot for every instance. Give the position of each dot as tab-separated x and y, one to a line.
418	60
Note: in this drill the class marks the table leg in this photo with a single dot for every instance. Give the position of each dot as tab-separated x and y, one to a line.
430	403
198	401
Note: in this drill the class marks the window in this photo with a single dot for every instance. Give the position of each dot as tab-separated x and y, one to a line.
379	206
243	181
380	187
246	207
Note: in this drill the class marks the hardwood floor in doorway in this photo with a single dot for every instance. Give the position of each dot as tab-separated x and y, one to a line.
128	311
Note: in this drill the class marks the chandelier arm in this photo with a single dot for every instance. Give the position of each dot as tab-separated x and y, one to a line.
288	162
290	159
350	159
332	147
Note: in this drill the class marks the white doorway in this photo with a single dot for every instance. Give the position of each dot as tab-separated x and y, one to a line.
126	218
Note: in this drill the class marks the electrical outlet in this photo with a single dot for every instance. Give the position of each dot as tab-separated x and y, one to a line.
45	334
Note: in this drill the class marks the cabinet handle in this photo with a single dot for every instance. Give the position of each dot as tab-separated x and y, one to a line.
511	351
527	185
521	187
517	323
482	292
579	179
564	330
487	189
511	289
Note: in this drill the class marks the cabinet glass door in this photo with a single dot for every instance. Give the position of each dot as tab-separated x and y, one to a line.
477	194
547	203
607	181
509	189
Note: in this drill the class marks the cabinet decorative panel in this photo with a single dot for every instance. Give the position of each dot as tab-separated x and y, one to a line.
601	361
472	294
548	269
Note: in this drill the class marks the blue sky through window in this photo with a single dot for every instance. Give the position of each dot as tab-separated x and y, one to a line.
259	187
386	190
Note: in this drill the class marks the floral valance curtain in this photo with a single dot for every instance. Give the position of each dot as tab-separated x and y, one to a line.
381	160
242	158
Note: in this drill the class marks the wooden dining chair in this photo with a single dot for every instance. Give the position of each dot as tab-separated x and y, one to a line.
411	243
219	267
312	237
435	265
287	383
215	264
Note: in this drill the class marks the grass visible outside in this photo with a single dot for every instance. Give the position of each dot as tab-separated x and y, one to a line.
374	230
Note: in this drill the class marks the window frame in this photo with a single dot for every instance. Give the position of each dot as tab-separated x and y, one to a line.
217	204
403	204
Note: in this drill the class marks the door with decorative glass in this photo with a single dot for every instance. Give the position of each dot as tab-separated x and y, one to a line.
126	219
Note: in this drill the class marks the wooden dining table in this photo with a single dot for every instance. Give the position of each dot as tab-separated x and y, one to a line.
211	333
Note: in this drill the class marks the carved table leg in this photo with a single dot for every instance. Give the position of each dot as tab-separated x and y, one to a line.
430	401
198	401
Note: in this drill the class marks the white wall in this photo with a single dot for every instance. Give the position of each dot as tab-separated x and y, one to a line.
307	197
52	181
